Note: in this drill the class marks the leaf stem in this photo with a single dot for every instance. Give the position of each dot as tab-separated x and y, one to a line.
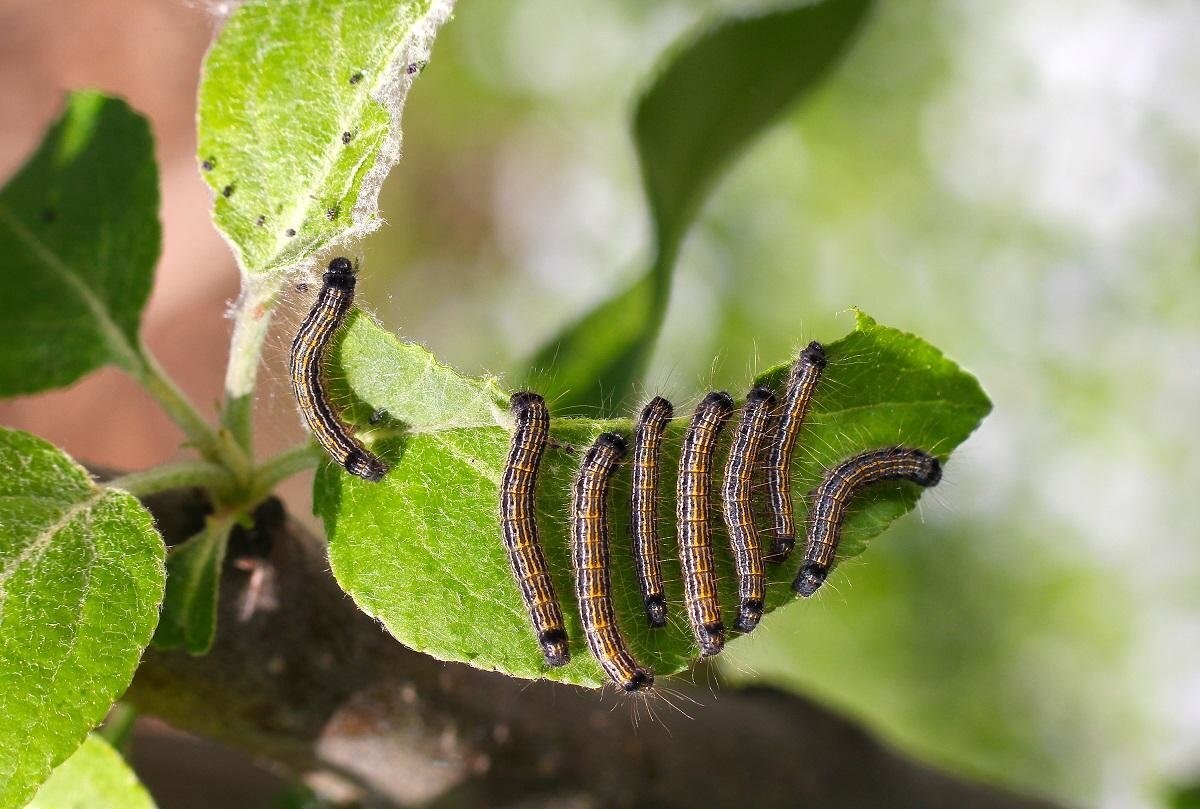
174	476
283	466
217	447
252	320
117	729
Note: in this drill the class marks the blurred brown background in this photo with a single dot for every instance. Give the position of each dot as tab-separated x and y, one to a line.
149	53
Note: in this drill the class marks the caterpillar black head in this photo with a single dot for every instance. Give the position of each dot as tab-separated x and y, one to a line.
641	679
554	647
814	354
931	471
656	611
365	466
711	637
340	274
811	577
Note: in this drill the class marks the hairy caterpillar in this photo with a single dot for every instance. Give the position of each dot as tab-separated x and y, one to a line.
839	485
307	371
692	521
589	544
738	509
518	524
643	505
802	381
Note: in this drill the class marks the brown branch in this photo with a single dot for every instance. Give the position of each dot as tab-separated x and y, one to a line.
299	675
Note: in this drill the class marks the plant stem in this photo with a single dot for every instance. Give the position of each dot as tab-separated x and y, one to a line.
174	476
251	323
117	729
216	447
283	466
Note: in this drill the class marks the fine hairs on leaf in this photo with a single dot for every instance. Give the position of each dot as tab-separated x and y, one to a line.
421	550
81	578
346	66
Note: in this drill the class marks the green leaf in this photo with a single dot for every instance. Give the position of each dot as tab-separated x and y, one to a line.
189	613
717	91
421	550
721	90
299	120
81	578
592	366
79	237
96	777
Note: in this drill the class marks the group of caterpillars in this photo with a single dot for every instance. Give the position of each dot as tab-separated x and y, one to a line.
766	438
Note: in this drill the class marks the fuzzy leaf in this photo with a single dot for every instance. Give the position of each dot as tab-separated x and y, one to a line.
421	550
81	578
299	120
79	237
95	777
716	92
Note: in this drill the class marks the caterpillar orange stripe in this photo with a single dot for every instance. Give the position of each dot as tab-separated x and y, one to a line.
307	371
802	381
738	510
831	498
518	524
692	499
643	506
589	544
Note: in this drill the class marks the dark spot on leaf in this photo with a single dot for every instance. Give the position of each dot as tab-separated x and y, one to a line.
209	164
289	232
227	191
331	213
49	215
378	416
356	78
302	287
416	67
346	137
262	220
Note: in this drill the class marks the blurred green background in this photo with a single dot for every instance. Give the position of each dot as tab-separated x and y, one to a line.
1019	183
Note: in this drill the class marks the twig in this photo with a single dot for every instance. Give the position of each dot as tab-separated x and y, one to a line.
318	686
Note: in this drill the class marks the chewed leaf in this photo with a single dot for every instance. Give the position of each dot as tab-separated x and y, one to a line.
79	237
299	119
96	777
81	578
421	550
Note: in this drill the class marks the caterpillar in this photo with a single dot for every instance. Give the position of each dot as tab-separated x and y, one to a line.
643	505
692	526
802	381
833	495
593	586
307	371
518	525
738	509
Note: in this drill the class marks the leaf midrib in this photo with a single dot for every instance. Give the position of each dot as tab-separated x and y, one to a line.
123	350
41	540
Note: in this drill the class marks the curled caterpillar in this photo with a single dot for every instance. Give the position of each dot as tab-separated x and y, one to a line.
308	378
832	497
